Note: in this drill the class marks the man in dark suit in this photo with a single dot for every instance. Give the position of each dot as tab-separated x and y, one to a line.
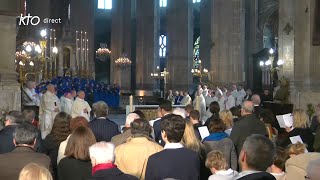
102	159
101	126
257	110
13	119
165	108
24	138
255	157
174	161
247	125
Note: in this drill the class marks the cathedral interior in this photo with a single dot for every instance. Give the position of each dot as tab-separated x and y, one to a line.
150	46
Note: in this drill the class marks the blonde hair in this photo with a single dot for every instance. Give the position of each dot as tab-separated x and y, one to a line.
227	118
33	171
300	119
296	149
190	140
216	159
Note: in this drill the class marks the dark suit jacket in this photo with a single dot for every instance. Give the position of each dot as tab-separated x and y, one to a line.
181	163
157	130
50	148
246	126
103	129
6	139
12	163
305	134
112	174
71	168
258	176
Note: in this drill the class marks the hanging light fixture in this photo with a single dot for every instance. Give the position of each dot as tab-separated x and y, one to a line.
123	62
103	52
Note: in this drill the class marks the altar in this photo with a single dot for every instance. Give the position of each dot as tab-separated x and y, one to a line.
150	111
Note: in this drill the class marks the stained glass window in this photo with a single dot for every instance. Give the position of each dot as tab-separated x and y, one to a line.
163	46
104	4
196	59
163	3
196	1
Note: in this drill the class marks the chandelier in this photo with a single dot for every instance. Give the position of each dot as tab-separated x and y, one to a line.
269	65
123	62
103	52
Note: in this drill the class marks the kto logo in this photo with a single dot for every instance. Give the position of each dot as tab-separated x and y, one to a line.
25	20
35	20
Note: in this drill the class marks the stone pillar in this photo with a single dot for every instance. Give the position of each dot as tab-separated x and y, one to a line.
227	55
295	48
121	41
179	44
206	43
10	93
147	58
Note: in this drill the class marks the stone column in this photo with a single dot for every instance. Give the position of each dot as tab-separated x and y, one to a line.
147	58
206	43
121	41
227	56
179	44
10	93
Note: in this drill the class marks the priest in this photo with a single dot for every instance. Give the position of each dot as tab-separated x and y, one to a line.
81	107
49	108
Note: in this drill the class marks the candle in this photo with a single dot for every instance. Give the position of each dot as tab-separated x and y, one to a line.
76	63
131	103
87	56
81	60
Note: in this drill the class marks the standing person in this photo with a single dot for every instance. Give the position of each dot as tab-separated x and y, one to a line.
170	96
277	169
214	110
248	95
81	107
227	118
24	138
186	99
255	157
229	101
241	95
76	164
49	108
235	92
66	102
165	109
30	99
173	161
103	128
136	150
33	171
103	167
201	107
247	125
195	120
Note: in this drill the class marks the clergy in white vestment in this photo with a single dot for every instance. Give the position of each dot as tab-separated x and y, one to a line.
229	101
221	100
66	102
186	99
81	107
200	103
241	95
205	91
49	108
32	98
234	92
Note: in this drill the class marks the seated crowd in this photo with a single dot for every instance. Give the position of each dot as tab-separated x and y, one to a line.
244	144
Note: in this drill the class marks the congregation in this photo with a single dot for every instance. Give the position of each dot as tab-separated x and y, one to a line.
73	140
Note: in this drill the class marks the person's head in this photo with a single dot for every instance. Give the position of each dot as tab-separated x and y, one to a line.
189	139
296	149
228	93
216	161
31	85
81	94
140	127
234	87
180	111
235	111
214	107
60	129
279	160
165	107
29	115
181	93
199	87
14	117
68	95
170	92
216	125
185	93
313	167
79	142
257	153
51	88
100	109
248	92
199	92
172	128
195	116
140	114
266	92
188	109
73	93
77	122
176	93
101	153
247	108
300	119
205	87
267	116
25	135
33	171
256	99
240	88
227	118
130	118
